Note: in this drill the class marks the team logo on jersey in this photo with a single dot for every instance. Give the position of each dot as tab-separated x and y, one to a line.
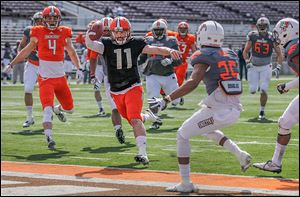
206	122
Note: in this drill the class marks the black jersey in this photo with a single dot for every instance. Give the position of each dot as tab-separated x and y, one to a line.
33	55
121	62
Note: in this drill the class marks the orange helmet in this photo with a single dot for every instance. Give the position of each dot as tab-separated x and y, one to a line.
120	28
183	28
52	17
106	22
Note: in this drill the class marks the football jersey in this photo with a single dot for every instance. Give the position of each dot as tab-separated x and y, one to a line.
223	65
262	48
121	62
154	65
33	56
184	44
292	51
51	43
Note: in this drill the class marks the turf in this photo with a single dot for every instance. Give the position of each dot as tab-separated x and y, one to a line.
86	139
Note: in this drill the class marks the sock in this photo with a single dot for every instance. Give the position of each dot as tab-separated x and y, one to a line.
185	173
99	104
48	133
117	127
278	154
146	117
262	108
232	147
29	112
141	142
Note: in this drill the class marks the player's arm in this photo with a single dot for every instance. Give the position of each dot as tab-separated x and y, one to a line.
94	45
22	43
93	62
193	47
246	51
191	84
25	52
165	51
72	53
279	58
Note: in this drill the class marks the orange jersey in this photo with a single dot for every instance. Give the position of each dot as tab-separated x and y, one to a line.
184	44
93	54
51	43
169	33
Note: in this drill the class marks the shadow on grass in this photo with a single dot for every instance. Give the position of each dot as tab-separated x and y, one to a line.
179	108
165	116
97	116
265	120
56	154
161	130
109	149
29	132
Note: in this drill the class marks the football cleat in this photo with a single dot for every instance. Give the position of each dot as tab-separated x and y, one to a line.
152	116
181	187
245	161
143	159
120	136
27	123
181	101
155	125
51	143
61	116
268	166
101	112
261	115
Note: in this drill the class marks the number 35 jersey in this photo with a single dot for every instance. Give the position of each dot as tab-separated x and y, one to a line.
223	67
121	62
262	48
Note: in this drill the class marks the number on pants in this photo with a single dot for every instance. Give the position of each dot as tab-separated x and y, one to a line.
52	46
231	71
119	57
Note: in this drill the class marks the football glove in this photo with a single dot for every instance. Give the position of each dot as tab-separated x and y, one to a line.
281	88
8	69
95	82
276	71
79	74
158	102
166	61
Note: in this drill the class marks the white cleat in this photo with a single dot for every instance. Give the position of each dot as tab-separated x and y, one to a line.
181	187
143	159
245	161
101	113
27	123
268	166
61	116
152	116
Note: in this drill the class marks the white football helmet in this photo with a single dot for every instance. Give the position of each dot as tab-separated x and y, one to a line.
285	30
106	21
263	25
210	33
159	29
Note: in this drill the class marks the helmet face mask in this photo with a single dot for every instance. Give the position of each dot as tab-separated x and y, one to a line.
263	25
158	33
183	29
159	29
52	17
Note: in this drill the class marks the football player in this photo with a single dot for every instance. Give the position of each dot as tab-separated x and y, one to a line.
50	41
31	68
186	42
121	52
286	34
159	70
169	32
259	65
218	68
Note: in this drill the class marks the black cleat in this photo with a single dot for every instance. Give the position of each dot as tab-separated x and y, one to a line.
120	136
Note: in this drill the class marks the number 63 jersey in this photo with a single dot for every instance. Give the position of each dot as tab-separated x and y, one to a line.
51	44
223	70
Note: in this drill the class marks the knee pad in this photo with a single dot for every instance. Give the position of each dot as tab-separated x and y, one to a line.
284	128
183	146
28	89
216	136
47	115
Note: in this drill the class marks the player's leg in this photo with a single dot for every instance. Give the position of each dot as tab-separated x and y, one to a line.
30	78
265	77
169	85
119	100
253	79
46	88
100	76
134	109
180	72
289	118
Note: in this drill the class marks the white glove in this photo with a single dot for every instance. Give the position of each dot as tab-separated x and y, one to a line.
175	54
8	69
166	61
276	70
96	83
158	102
79	74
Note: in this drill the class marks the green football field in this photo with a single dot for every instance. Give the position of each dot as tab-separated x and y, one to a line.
86	139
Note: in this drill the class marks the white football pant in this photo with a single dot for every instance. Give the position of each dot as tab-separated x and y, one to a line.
259	76
30	77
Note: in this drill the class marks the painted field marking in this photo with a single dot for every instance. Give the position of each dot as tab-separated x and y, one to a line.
6	182
92	158
50	190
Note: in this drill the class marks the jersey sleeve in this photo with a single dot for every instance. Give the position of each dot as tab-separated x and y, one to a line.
250	36
69	32
95	45
27	31
94	55
35	31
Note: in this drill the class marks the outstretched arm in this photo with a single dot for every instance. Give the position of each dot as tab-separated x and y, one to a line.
151	50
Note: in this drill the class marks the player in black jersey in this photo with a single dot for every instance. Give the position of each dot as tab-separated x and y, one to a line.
121	52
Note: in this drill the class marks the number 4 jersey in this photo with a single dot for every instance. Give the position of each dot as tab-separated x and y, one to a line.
223	69
51	44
